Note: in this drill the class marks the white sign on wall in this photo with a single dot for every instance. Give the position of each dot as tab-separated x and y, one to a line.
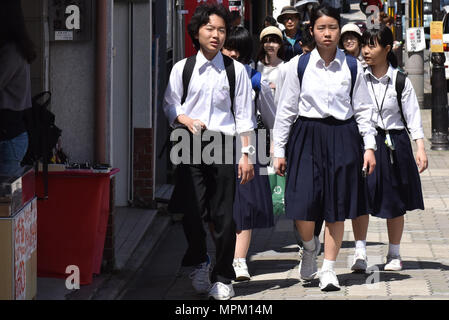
415	40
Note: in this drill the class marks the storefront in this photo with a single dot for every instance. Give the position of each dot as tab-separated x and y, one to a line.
106	64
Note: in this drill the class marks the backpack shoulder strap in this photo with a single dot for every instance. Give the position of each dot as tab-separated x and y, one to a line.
256	78
400	84
187	75
352	64
302	65
230	72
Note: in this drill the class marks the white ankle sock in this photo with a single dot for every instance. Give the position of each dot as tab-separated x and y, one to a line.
393	250
309	245
240	260
360	245
328	265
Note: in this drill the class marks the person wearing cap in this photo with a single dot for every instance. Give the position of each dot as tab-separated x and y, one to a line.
351	41
289	17
270	56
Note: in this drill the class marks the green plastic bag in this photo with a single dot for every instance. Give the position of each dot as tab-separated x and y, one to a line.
277	185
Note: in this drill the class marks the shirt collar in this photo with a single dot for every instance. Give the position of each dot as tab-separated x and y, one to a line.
217	61
339	57
385	77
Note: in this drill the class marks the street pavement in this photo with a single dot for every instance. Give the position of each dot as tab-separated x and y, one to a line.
273	255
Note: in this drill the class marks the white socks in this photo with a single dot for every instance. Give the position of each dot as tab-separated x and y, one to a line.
240	260
393	250
309	245
360	245
328	265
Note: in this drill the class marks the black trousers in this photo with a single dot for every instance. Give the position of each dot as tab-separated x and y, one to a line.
206	193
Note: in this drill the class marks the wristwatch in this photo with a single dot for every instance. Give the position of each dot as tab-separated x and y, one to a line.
249	150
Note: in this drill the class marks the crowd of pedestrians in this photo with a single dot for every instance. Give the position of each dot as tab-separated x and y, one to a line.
341	115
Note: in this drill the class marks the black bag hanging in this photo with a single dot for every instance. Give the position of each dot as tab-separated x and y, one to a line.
43	135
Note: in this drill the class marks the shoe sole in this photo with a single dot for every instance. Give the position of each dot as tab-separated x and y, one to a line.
392	269
330	287
242	278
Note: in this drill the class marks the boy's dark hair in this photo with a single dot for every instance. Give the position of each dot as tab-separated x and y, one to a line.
307	37
262	53
201	17
383	37
13	29
324	10
239	39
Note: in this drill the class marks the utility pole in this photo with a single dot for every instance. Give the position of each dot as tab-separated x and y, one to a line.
439	93
414	64
398	29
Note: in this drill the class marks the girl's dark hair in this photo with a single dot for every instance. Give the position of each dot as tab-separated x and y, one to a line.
201	17
324	10
239	39
306	37
262	53
384	37
13	29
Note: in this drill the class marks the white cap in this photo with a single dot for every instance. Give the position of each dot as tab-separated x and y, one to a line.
351	27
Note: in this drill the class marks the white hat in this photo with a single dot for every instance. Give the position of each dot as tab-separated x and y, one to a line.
351	27
271	30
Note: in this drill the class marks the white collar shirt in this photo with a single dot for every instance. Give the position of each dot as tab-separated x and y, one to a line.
325	92
388	116
208	96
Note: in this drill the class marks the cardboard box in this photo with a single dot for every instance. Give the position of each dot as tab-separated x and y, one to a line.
16	191
18	254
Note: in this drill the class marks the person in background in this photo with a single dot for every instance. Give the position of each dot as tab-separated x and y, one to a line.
208	188
395	186
289	17
236	18
270	56
269	21
253	206
318	145
351	41
16	54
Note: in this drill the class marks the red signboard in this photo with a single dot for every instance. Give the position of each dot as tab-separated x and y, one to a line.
190	6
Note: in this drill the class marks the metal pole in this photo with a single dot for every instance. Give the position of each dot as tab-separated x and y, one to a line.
414	65
439	93
398	30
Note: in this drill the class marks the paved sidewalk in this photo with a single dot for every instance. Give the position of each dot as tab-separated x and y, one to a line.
273	255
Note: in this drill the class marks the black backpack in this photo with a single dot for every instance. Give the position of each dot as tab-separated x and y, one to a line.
43	135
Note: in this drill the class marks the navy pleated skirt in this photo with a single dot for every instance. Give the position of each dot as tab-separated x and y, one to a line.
253	205
395	188
324	170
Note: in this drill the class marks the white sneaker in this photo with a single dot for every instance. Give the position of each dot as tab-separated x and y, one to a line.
221	291
394	263
360	262
328	280
241	270
200	277
308	266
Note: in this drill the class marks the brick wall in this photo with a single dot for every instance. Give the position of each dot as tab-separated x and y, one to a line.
143	168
